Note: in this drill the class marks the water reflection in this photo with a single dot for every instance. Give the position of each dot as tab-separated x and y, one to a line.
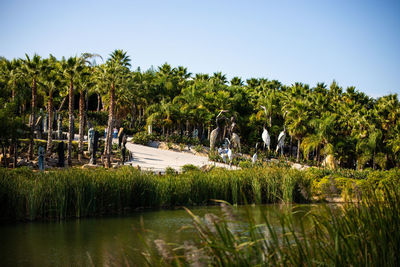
78	242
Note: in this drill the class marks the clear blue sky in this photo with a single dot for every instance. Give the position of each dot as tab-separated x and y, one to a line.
354	42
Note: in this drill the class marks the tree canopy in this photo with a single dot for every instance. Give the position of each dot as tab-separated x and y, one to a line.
321	120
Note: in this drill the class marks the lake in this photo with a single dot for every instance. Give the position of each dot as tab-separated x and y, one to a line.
99	240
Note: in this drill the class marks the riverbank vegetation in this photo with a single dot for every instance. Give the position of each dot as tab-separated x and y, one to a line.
75	193
356	130
353	234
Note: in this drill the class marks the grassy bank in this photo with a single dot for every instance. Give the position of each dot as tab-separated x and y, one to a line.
60	194
27	195
361	234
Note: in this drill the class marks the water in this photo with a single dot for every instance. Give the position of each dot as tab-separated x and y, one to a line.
101	240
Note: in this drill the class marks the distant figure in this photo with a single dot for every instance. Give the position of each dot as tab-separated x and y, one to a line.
265	136
229	153
41	158
123	149
90	144
223	154
217	131
45	123
105	132
90	139
59	127
281	137
281	141
115	133
61	156
329	162
120	136
195	133
94	148
254	158
235	139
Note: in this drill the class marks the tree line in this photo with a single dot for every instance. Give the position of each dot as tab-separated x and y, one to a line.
357	130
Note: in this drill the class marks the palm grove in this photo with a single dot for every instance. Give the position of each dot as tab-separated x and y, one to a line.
357	130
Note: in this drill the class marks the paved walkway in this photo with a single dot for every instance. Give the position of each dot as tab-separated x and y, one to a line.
157	160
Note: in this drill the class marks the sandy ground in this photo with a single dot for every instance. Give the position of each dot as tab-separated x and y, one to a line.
157	160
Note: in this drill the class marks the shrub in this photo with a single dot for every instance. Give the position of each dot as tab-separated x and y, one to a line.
181	147
198	148
189	168
142	138
170	171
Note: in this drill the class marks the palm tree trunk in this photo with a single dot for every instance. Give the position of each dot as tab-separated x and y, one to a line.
98	102
133	115
33	119
71	122
81	124
15	153
298	150
62	104
4	156
108	145
373	161
50	128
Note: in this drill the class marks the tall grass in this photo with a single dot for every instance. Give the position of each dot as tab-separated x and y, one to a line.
362	234
60	194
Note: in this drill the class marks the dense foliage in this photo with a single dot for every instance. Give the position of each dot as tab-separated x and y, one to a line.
359	131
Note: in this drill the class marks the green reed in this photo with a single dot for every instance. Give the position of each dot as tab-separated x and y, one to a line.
354	234
60	194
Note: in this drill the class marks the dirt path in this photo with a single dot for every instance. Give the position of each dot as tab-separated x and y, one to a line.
157	160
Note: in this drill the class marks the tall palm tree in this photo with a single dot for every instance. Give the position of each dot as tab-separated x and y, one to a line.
11	74
83	84
115	75
296	120
323	136
32	68
236	81
71	67
51	82
218	78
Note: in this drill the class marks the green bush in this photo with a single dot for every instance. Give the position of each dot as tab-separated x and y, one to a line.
198	148
189	168
142	138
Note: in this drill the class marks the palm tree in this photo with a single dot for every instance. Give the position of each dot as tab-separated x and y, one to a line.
83	85
32	68
236	81
51	82
115	75
252	82
324	133
11	74
296	120
71	67
218	78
